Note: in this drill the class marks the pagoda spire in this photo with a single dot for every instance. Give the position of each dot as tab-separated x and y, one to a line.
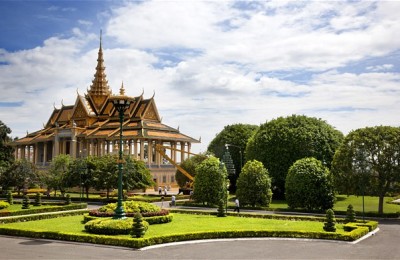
99	85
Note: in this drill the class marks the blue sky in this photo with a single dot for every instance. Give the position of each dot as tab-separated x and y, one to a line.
210	63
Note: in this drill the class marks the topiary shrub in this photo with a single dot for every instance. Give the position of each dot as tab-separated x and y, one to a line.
4	204
329	225
138	227
67	199
350	214
108	226
309	185
221	209
25	202
10	197
254	185
38	199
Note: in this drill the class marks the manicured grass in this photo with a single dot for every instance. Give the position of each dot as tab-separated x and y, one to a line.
182	224
342	201
370	204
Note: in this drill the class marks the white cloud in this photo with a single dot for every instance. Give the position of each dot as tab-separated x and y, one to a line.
211	64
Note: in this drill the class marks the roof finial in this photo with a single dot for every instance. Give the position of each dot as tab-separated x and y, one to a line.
101	35
122	90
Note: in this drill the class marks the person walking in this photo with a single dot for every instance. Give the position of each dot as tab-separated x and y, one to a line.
237	206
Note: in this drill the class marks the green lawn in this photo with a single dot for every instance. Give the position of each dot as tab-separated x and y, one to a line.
370	204
342	201
181	224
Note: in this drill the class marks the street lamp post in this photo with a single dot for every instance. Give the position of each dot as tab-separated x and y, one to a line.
121	104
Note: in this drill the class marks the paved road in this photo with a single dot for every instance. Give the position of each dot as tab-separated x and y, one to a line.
383	245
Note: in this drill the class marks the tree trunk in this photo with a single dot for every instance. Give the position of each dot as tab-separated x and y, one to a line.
87	192
108	193
380	206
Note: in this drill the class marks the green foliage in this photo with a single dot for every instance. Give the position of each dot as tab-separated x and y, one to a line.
131	207
51	229
221	208
254	185
38	199
210	182
138	227
44	209
4	204
350	214
368	162
10	199
237	135
282	141
25	202
107	226
189	165
67	199
136	174
309	185
330	222
20	174
6	151
57	176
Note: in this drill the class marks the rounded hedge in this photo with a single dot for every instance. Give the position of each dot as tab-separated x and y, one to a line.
4	204
309	185
108	226
131	207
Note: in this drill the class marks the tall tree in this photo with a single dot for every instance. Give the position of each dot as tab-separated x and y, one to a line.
282	141
309	185
368	162
106	173
58	173
189	165
21	174
210	182
237	136
254	185
6	151
136	174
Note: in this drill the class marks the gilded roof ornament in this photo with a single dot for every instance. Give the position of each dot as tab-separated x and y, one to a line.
99	85
122	90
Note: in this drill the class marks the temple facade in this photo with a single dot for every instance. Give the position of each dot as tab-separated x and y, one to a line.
91	126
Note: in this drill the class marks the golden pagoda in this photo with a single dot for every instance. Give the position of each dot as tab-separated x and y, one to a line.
91	127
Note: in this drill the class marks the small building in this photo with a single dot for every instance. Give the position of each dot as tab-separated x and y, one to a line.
91	126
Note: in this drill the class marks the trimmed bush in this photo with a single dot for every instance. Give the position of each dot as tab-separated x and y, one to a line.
138	227
10	197
67	199
150	218
350	214
221	209
329	225
131	207
254	185
44	209
4	204
108	226
309	185
38	199
25	202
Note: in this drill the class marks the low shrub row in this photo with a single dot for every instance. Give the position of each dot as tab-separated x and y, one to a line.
143	242
160	219
43	210
43	216
96	213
